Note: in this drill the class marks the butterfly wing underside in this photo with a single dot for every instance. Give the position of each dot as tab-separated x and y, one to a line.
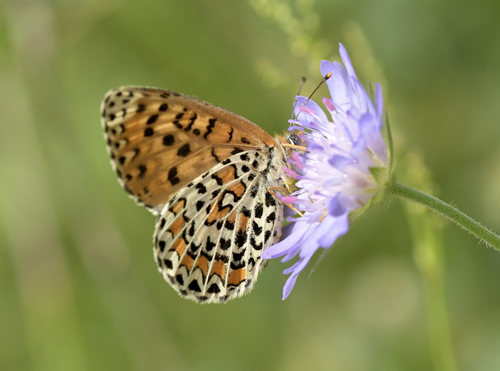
204	172
159	140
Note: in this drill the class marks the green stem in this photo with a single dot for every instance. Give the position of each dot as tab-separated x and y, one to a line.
449	212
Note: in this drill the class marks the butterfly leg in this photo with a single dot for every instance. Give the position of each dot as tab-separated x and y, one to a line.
272	190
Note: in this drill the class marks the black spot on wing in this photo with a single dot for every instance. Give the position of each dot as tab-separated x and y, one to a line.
161	244
259	210
209	245
213	289
172	176
236	150
184	150
168	140
225	244
152	119
142	171
270	201
256	228
271	218
201	188
241	238
209	127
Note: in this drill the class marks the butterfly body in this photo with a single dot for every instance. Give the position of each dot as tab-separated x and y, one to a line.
206	173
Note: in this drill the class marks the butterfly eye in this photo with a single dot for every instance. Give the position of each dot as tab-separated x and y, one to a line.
294	139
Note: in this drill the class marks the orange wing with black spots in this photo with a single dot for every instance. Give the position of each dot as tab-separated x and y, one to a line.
159	140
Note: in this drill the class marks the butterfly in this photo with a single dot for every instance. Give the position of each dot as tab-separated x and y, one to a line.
208	175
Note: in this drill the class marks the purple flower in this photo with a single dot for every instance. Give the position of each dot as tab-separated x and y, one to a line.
346	163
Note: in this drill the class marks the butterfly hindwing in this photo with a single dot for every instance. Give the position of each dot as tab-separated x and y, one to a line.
210	251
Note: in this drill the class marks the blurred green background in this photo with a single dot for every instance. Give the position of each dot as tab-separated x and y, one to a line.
404	290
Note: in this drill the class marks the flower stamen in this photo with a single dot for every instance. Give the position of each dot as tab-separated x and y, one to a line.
327	76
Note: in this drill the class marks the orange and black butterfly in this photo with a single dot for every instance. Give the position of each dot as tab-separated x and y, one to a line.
208	175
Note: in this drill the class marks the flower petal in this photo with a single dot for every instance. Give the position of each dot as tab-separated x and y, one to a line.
338	83
347	61
312	106
290	282
335	208
339	162
282	247
338	226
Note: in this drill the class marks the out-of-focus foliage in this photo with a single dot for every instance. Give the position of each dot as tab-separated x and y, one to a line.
79	288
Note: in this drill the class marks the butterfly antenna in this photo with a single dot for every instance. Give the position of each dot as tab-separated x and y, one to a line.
302	82
327	76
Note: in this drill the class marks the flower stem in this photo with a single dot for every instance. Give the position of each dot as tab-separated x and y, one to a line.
449	212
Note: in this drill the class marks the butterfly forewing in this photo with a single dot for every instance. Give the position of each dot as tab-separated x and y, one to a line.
205	172
160	140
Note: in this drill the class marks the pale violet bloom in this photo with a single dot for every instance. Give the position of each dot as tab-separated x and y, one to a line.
346	163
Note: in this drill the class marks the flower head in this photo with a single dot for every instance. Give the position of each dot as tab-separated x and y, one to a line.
345	165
